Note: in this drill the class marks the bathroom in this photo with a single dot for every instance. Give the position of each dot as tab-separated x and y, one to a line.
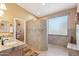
26	34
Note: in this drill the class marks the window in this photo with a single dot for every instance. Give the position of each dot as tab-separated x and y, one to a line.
58	25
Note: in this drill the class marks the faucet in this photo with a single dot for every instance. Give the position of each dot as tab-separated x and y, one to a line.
2	40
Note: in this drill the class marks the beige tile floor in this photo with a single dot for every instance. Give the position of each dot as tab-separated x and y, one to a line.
54	50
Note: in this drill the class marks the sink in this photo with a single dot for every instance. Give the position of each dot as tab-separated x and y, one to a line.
10	41
11	44
8	44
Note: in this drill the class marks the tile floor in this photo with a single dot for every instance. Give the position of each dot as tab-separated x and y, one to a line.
54	50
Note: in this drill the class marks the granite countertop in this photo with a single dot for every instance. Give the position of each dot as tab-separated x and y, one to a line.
72	46
12	44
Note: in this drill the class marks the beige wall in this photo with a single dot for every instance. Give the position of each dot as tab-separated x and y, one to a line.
13	10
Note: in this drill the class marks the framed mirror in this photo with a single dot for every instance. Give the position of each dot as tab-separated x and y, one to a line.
20	29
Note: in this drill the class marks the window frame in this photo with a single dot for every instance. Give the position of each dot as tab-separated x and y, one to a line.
57	17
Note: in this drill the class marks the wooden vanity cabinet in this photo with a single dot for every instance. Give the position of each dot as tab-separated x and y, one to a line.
12	52
18	52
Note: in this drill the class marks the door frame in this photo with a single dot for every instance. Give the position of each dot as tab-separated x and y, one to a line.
14	21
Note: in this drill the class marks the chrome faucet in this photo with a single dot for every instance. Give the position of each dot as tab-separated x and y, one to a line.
2	40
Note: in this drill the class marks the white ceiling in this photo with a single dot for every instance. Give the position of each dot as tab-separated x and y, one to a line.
42	9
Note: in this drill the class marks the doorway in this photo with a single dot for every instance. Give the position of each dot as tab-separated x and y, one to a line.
20	29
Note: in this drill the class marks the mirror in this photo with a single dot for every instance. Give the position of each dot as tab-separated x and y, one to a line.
6	28
20	29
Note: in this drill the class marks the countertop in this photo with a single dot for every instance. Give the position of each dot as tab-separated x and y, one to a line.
12	44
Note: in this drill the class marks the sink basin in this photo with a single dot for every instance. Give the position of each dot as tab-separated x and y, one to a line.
9	44
10	41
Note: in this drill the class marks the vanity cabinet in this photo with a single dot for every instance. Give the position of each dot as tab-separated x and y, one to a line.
11	52
15	51
5	53
13	48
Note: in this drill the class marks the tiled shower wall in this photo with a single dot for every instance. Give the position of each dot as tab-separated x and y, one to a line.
37	34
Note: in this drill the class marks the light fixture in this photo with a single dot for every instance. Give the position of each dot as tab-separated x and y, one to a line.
43	4
2	9
1	12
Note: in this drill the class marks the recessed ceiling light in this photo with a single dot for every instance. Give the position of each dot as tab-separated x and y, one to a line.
43	4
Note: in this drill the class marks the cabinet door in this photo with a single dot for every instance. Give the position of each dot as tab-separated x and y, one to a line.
6	52
18	52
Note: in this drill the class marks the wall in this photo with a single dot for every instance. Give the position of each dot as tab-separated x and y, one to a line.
71	37
13	10
58	40
37	34
72	25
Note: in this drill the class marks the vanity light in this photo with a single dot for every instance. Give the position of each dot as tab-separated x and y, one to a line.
1	12
2	9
